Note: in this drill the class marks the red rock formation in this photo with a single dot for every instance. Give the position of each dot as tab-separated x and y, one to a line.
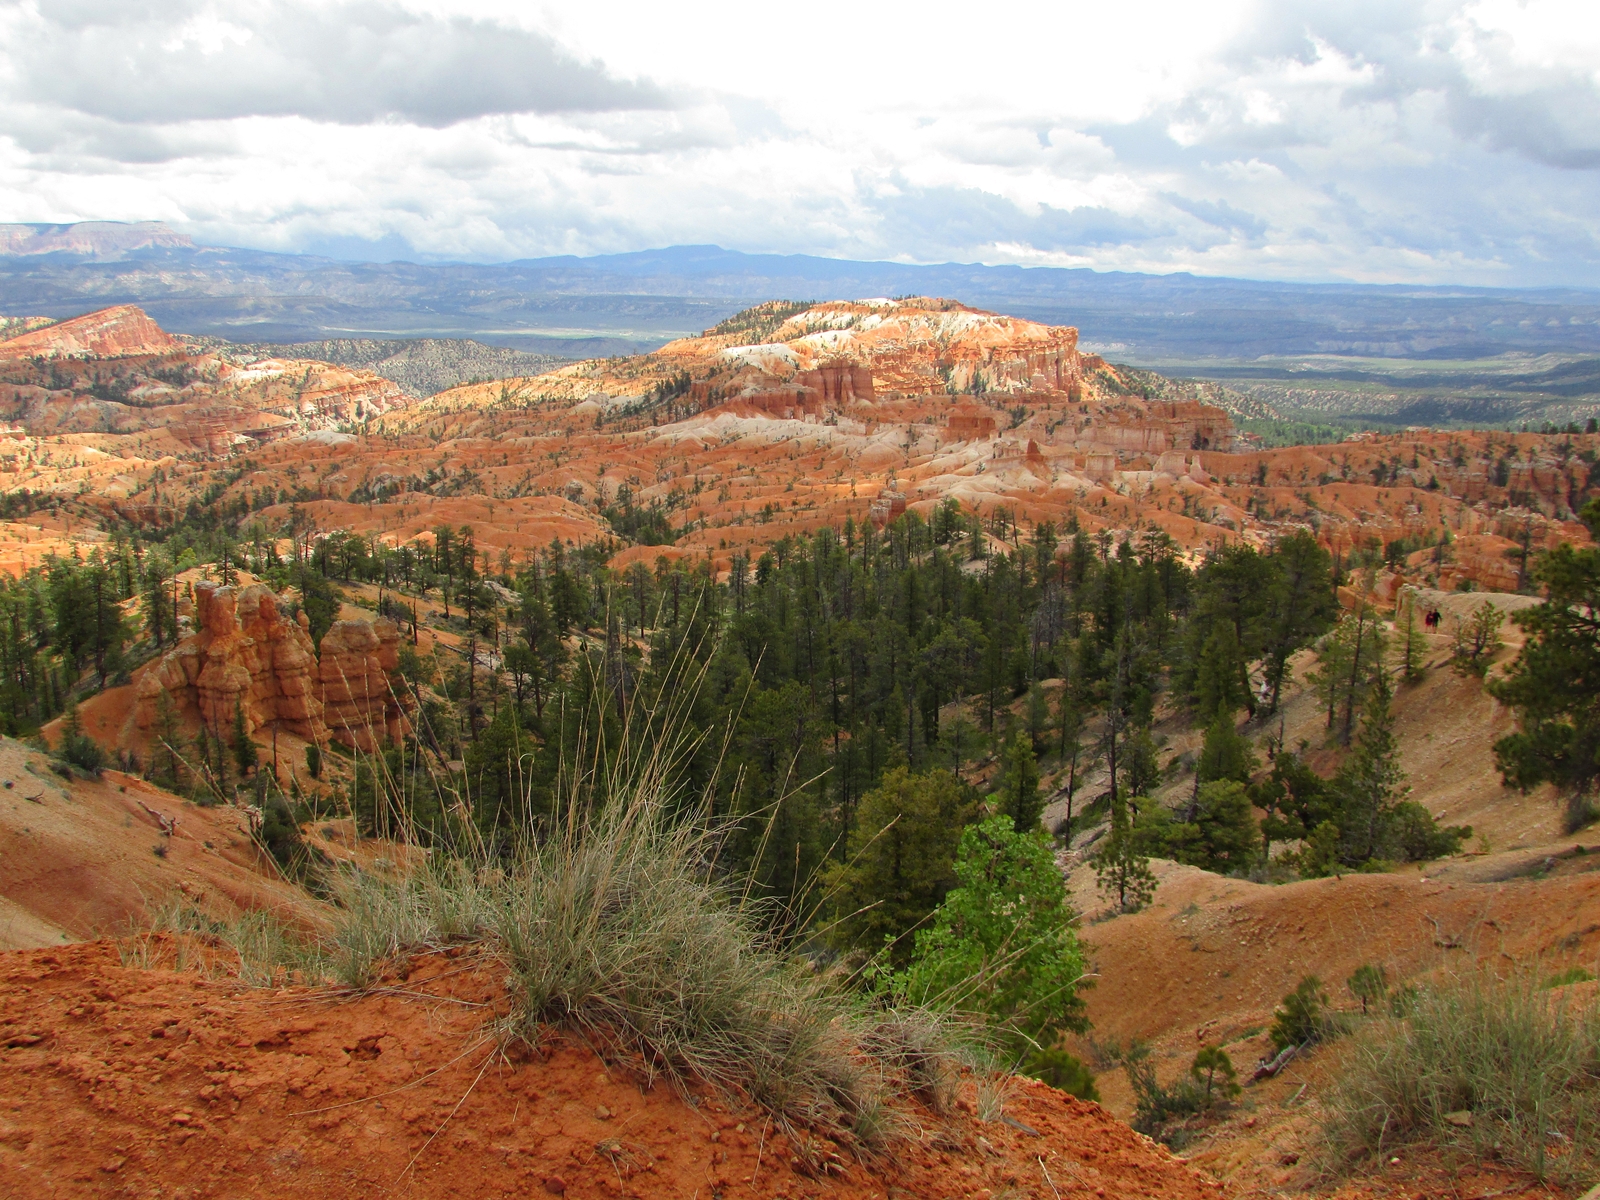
110	333
838	382
361	706
787	403
245	653
886	508
968	421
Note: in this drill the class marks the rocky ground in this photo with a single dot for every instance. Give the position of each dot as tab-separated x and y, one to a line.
128	1081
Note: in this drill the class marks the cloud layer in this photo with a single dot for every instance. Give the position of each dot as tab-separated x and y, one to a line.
1420	141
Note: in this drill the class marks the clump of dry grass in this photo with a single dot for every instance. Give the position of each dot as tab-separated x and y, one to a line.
1496	1066
618	929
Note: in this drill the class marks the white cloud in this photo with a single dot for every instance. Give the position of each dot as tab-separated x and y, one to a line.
1425	140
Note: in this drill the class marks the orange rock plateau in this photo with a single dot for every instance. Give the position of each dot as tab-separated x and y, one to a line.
783	419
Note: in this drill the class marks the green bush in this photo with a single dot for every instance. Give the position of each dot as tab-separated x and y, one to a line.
1212	1080
1213	1071
1368	984
1525	1068
1063	1071
1302	1016
83	752
1570	976
1001	944
77	747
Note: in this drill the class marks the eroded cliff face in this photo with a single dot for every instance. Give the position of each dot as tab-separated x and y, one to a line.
140	394
247	654
780	421
109	333
362	706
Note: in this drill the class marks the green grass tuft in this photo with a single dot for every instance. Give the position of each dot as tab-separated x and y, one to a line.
1524	1065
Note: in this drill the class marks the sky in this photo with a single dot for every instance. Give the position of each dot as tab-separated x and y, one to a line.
1412	141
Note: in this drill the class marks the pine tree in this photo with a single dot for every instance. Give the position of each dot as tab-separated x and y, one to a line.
1141	770
1368	984
1223	755
1301	606
900	860
1411	646
1069	729
245	752
1220	680
1019	789
1551	685
1038	712
1122	871
1349	659
1476	639
165	762
1370	783
1214	1072
71	722
1230	837
203	742
160	620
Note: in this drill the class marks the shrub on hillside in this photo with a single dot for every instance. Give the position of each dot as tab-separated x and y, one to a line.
1211	1082
77	747
1302	1016
1063	1071
1001	944
1491	1065
614	927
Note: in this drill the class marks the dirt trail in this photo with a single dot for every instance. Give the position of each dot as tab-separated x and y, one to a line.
116	1081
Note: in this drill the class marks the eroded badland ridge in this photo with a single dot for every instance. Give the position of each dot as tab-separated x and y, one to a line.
342	619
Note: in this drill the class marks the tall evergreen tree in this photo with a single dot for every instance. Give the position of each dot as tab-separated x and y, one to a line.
1554	684
900	860
1019	786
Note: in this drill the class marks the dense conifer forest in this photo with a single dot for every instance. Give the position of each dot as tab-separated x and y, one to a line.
842	706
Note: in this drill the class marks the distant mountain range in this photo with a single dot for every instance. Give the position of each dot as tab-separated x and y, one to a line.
623	303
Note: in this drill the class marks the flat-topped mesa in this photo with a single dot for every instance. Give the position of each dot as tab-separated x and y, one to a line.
116	332
246	654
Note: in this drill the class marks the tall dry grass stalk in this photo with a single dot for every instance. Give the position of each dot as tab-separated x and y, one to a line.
1521	1062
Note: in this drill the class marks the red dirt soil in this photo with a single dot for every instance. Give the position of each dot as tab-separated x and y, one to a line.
117	1081
78	856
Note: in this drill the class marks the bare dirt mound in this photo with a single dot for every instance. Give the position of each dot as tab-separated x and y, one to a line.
1209	960
117	1081
83	858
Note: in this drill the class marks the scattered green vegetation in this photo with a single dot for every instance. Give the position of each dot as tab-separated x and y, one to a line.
1275	433
1302	1016
1568	977
1488	1065
1161	1110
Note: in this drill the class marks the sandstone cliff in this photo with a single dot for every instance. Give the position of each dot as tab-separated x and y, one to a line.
247	654
110	333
